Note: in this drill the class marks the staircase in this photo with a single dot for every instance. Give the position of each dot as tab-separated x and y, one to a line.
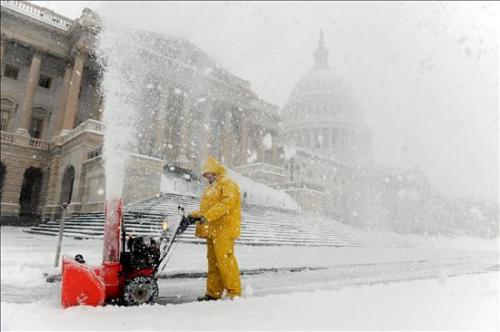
260	225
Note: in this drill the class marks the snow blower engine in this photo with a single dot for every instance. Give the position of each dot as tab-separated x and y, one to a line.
130	268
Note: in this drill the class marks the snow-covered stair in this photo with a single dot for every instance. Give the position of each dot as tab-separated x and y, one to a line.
261	225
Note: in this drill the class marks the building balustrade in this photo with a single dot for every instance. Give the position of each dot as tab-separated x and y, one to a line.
262	167
6	137
94	153
87	126
40	144
39	13
300	185
92	126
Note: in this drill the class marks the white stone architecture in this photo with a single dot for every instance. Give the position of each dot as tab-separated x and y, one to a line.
51	106
317	149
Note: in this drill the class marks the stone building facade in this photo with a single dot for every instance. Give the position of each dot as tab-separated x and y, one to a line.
51	106
194	107
317	149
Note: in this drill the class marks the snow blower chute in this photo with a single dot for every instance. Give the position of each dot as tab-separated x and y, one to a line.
130	267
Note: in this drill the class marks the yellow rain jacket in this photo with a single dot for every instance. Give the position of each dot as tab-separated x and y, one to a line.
220	206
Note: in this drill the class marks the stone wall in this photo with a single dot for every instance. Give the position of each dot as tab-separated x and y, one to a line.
17	159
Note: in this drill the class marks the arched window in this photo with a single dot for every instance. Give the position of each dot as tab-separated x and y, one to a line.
7	108
3	171
67	185
29	197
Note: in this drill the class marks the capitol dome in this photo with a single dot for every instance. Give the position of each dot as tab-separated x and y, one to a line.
321	114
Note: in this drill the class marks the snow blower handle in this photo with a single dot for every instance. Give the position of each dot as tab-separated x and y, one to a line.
186	222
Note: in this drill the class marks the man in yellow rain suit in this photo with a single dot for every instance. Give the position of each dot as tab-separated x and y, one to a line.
220	212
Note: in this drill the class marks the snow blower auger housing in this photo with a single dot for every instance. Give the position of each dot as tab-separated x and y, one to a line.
130	268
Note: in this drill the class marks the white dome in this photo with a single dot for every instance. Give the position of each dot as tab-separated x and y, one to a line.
323	82
321	114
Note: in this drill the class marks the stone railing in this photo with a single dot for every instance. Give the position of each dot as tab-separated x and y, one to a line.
6	137
94	153
42	14
40	144
23	140
265	106
262	167
89	126
299	185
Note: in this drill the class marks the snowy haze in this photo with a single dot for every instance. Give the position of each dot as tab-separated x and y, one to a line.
425	73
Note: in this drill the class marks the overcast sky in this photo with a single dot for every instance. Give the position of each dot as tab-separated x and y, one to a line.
426	73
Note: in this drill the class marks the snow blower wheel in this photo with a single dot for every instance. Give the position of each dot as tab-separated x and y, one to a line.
140	290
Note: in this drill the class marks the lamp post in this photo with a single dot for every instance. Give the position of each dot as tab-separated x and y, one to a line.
61	230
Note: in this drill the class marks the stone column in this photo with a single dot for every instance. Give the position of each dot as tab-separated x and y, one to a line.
244	129
326	138
206	130
260	145
73	93
27	105
227	139
274	147
160	123
3	46
51	208
184	135
63	98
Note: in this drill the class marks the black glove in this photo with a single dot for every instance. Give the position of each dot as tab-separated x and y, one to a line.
186	222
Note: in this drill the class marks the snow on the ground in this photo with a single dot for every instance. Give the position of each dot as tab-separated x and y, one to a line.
178	185
463	302
23	252
256	193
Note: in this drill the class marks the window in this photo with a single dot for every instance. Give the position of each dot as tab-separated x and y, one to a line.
4	120
45	81
11	71
36	128
7	108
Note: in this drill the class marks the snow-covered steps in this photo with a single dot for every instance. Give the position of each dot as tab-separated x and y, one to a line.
261	225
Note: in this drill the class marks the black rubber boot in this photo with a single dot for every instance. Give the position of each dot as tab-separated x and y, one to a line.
206	297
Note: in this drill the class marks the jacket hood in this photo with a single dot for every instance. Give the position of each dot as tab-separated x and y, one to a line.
212	165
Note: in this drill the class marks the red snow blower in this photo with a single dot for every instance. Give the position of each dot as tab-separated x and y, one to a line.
130	268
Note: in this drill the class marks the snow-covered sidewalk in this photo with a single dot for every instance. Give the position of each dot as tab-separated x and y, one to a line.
462	302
